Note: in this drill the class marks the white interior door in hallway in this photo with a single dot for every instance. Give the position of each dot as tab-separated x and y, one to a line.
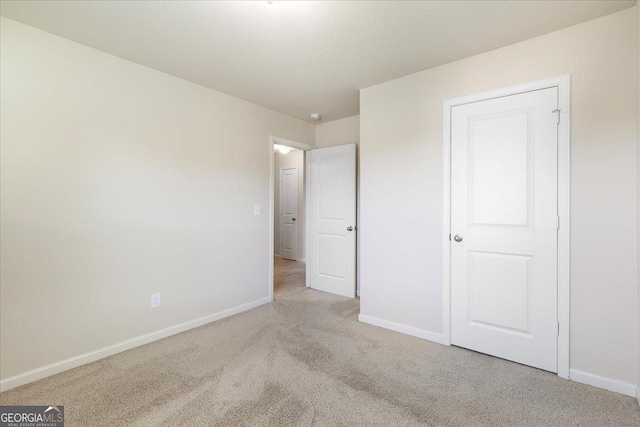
289	213
331	244
504	219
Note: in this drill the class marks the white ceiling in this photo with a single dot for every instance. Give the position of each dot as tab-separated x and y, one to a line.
300	57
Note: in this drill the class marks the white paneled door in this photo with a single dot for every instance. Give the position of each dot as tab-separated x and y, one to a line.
331	248
289	213
504	227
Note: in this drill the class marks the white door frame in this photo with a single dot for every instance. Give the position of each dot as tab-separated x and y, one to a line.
293	144
563	83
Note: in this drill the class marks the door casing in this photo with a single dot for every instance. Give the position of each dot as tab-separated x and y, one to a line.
289	143
563	84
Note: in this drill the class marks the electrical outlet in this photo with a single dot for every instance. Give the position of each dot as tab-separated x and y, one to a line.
155	300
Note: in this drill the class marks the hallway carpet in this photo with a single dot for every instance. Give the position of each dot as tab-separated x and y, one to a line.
305	360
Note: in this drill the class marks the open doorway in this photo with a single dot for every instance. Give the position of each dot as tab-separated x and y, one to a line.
288	225
289	230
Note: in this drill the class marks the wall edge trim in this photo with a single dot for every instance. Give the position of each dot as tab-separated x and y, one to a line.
404	329
603	382
92	356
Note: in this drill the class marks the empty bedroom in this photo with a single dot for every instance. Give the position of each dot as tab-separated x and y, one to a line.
319	213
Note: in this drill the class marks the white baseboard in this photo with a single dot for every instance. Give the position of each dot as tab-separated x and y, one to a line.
575	375
602	382
83	359
409	330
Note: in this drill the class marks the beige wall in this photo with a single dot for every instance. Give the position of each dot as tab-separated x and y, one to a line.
401	185
338	132
119	181
291	159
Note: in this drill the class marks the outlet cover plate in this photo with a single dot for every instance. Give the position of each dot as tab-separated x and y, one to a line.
155	300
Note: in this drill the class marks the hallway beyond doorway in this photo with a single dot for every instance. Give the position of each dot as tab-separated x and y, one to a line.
288	277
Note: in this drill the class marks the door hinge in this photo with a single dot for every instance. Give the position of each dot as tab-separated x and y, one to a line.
558	331
557	111
449	237
558	222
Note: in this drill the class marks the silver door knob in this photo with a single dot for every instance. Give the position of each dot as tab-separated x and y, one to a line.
457	238
349	228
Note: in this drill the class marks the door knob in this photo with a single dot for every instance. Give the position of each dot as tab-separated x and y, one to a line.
349	228
293	219
457	238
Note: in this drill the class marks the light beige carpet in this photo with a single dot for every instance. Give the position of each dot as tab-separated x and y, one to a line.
305	360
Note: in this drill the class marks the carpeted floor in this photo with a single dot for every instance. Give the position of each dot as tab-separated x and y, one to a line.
305	360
